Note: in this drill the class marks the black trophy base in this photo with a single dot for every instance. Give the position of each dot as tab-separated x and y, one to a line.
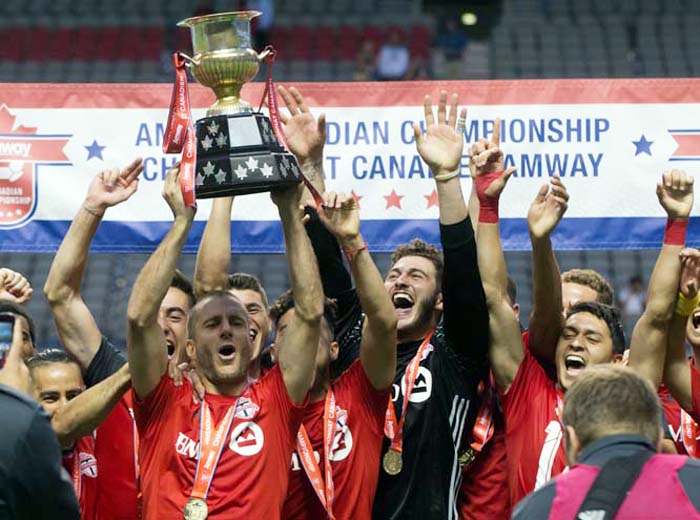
243	174
238	155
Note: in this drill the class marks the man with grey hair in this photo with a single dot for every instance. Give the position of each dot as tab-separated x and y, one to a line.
613	433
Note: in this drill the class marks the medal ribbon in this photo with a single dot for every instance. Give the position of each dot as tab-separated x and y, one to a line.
76	476
324	491
483	427
135	441
276	122
393	429
690	433
211	443
179	132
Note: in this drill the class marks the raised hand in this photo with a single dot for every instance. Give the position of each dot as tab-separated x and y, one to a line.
172	193
288	198
112	187
485	157
341	216
548	208
14	286
441	145
690	272
304	134
675	193
15	373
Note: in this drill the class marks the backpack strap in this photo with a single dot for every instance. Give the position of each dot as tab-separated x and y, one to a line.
610	488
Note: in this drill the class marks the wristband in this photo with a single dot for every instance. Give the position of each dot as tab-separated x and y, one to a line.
488	206
685	306
351	252
675	231
446	176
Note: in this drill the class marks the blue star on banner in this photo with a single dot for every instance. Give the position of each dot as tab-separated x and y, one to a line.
95	150
643	146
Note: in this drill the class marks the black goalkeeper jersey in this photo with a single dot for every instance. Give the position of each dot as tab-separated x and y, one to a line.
443	405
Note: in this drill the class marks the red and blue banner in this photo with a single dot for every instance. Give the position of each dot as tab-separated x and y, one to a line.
609	140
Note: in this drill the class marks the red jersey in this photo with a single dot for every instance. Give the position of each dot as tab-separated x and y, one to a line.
534	433
484	493
251	478
81	465
672	411
355	454
115	452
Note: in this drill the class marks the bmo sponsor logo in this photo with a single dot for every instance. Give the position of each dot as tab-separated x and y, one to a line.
247	439
422	388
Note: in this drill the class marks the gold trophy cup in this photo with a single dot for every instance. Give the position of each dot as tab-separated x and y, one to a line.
237	150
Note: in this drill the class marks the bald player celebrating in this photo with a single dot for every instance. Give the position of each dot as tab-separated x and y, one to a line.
227	457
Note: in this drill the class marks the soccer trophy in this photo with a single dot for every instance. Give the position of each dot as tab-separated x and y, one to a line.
237	149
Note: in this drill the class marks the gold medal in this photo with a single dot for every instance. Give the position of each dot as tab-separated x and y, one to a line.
392	462
196	509
467	457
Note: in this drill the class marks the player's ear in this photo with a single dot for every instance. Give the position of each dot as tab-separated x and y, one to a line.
572	445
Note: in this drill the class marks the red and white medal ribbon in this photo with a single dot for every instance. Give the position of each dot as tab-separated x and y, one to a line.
276	121
323	487
393	429
179	132
76	476
484	427
211	443
690	434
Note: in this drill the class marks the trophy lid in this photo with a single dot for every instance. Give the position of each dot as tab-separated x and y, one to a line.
220	31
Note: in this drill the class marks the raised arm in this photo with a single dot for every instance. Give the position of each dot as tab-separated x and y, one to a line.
340	215
305	137
650	335
83	414
465	315
546	319
76	326
677	370
505	343
297	359
441	149
148	353
214	255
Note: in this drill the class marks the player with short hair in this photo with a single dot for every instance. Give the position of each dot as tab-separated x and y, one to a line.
611	420
211	273
349	447
442	334
532	388
74	414
227	456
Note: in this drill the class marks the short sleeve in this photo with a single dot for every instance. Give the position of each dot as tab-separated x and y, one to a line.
372	402
106	362
271	388
526	386
150	410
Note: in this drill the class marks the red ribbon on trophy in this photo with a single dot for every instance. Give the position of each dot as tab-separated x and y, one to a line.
179	132
270	95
